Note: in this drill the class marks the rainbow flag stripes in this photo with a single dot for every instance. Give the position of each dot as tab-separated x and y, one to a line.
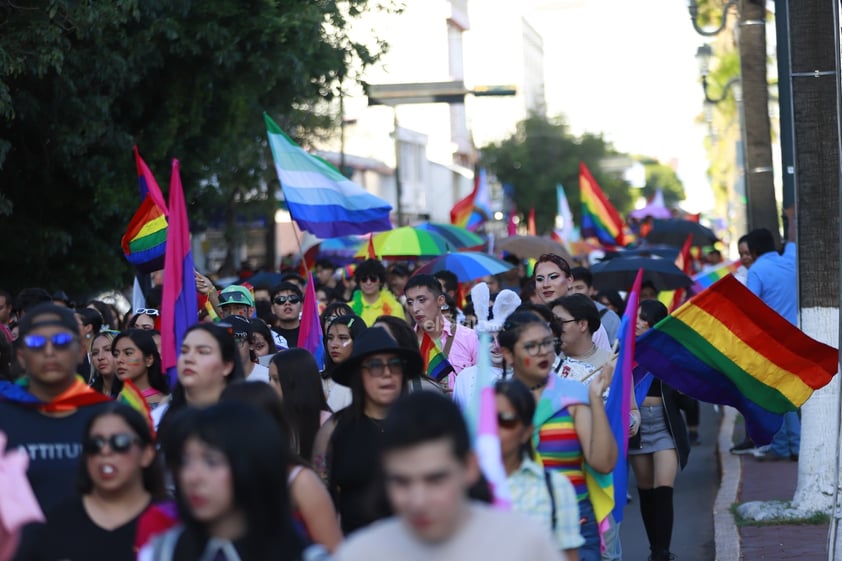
145	240
599	218
705	280
436	365
726	346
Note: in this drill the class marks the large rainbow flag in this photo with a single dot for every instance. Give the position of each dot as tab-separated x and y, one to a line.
145	240
599	218
462	211
727	346
436	365
179	304
320	199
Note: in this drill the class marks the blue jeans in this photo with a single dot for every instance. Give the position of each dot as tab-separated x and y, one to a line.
787	440
590	531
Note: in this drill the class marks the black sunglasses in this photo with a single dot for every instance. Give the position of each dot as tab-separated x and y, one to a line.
369	278
281	300
119	443
60	341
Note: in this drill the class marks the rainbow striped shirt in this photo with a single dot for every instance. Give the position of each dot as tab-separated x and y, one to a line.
559	450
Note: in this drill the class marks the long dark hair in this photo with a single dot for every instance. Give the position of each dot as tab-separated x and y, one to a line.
304	399
333	311
263	396
258	458
153	475
97	382
523	402
355	325
144	341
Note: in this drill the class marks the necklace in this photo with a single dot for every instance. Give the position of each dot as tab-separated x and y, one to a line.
588	354
540	384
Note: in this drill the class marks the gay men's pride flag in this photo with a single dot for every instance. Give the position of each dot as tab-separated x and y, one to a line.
726	346
599	218
320	199
436	365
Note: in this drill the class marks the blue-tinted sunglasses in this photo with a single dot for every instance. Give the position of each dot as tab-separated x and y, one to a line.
60	341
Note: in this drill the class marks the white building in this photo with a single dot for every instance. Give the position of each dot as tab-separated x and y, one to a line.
485	43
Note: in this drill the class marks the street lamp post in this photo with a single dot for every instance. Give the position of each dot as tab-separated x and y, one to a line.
703	56
394	95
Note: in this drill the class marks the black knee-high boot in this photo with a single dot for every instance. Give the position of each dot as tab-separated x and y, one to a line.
663	521
647	513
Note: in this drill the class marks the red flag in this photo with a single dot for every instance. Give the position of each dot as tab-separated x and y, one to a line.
530	224
371	253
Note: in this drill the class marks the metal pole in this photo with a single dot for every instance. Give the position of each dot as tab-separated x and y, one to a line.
398	186
787	123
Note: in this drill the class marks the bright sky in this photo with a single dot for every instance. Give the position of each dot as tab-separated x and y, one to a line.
627	69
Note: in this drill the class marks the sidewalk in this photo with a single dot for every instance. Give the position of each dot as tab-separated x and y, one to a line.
745	479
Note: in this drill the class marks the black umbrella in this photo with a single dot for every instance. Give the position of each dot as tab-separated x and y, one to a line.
675	232
619	274
661	250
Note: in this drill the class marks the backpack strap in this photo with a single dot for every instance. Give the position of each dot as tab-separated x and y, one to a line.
553	516
447	346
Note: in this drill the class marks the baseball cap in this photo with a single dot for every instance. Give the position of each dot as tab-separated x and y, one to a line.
240	327
40	315
236	294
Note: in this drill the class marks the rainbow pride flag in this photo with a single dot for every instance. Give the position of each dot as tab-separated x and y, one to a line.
436	365
320	199
706	279
600	219
461	213
726	346
133	397
145	240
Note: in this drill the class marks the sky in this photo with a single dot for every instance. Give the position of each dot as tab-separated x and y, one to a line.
628	69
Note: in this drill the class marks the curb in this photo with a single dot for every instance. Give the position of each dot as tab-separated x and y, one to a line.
725	533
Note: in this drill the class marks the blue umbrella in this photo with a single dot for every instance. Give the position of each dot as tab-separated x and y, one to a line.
467	265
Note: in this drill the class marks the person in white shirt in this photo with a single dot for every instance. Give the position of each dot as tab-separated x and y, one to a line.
428	468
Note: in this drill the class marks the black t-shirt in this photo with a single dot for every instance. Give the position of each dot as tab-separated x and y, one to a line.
54	445
71	535
291	335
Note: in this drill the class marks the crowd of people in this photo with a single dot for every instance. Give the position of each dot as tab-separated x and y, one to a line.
255	451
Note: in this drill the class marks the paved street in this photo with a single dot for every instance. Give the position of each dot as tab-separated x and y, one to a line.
695	491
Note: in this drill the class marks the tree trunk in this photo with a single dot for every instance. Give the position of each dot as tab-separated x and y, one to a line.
760	187
814	63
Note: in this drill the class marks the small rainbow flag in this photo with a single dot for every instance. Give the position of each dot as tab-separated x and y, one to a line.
145	240
130	395
599	218
706	279
727	346
461	212
436	365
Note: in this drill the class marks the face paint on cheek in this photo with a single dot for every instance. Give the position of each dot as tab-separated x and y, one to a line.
527	362
346	343
133	361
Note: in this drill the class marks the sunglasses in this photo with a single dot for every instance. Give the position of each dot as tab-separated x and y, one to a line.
231	297
369	278
281	300
147	312
59	341
119	443
377	367
507	420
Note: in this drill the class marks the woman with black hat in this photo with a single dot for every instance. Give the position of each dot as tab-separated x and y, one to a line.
348	445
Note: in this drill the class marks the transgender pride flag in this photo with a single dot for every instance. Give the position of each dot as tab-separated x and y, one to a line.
320	199
179	306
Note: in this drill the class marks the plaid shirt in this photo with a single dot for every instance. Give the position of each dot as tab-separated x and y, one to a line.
528	490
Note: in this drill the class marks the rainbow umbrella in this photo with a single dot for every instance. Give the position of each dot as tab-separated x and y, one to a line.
406	243
466	265
456	235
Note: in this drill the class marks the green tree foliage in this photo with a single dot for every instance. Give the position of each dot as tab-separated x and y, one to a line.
543	153
663	177
81	82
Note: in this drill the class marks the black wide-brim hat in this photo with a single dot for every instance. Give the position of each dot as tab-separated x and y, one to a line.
372	341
